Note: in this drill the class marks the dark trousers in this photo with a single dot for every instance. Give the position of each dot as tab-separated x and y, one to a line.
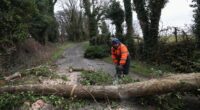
125	67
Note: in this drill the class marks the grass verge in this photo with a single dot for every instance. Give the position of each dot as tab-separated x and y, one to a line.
22	101
36	75
60	48
146	70
101	78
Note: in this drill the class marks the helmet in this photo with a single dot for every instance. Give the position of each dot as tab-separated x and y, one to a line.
115	41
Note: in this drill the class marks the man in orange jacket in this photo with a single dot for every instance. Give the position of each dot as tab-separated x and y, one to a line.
120	57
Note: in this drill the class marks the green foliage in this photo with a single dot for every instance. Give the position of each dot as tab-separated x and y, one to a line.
15	101
59	51
129	33
179	55
126	80
100	40
97	52
1	77
73	22
116	14
196	26
140	68
150	70
128	16
104	29
94	11
63	103
130	45
39	71
108	59
114	104
37	75
19	19
171	101
149	12
101	78
15	16
43	71
43	26
95	78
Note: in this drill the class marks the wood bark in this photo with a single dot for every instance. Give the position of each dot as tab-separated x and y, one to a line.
182	82
13	76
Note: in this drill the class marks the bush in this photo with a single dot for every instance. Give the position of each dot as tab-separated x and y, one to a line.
101	78
97	52
44	71
131	47
171	101
100	40
178	55
18	101
95	78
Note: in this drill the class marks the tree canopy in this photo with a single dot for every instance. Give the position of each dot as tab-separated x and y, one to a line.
19	19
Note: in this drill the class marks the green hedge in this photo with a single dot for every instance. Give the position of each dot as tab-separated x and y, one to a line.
97	52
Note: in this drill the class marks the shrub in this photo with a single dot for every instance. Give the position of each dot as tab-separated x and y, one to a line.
39	71
101	78
17	101
100	40
178	55
95	78
97	52
170	101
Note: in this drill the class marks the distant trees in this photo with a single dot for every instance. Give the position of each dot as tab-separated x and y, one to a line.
196	16
116	14
15	19
94	10
43	26
128	18
148	13
129	24
104	28
73	23
19	18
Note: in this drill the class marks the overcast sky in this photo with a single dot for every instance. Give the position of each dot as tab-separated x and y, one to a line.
176	13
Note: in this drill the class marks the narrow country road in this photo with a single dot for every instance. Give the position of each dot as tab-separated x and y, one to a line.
74	57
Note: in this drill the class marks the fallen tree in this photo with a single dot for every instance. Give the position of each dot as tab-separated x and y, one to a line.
13	76
181	82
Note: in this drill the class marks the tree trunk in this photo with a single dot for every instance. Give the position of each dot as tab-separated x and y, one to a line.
128	14
93	26
182	82
149	18
196	16
175	34
142	15
119	32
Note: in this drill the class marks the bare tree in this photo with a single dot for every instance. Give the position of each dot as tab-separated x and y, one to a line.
72	21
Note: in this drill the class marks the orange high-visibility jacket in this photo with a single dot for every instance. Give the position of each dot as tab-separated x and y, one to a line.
120	54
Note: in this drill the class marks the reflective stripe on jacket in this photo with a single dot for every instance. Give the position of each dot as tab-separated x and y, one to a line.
120	54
